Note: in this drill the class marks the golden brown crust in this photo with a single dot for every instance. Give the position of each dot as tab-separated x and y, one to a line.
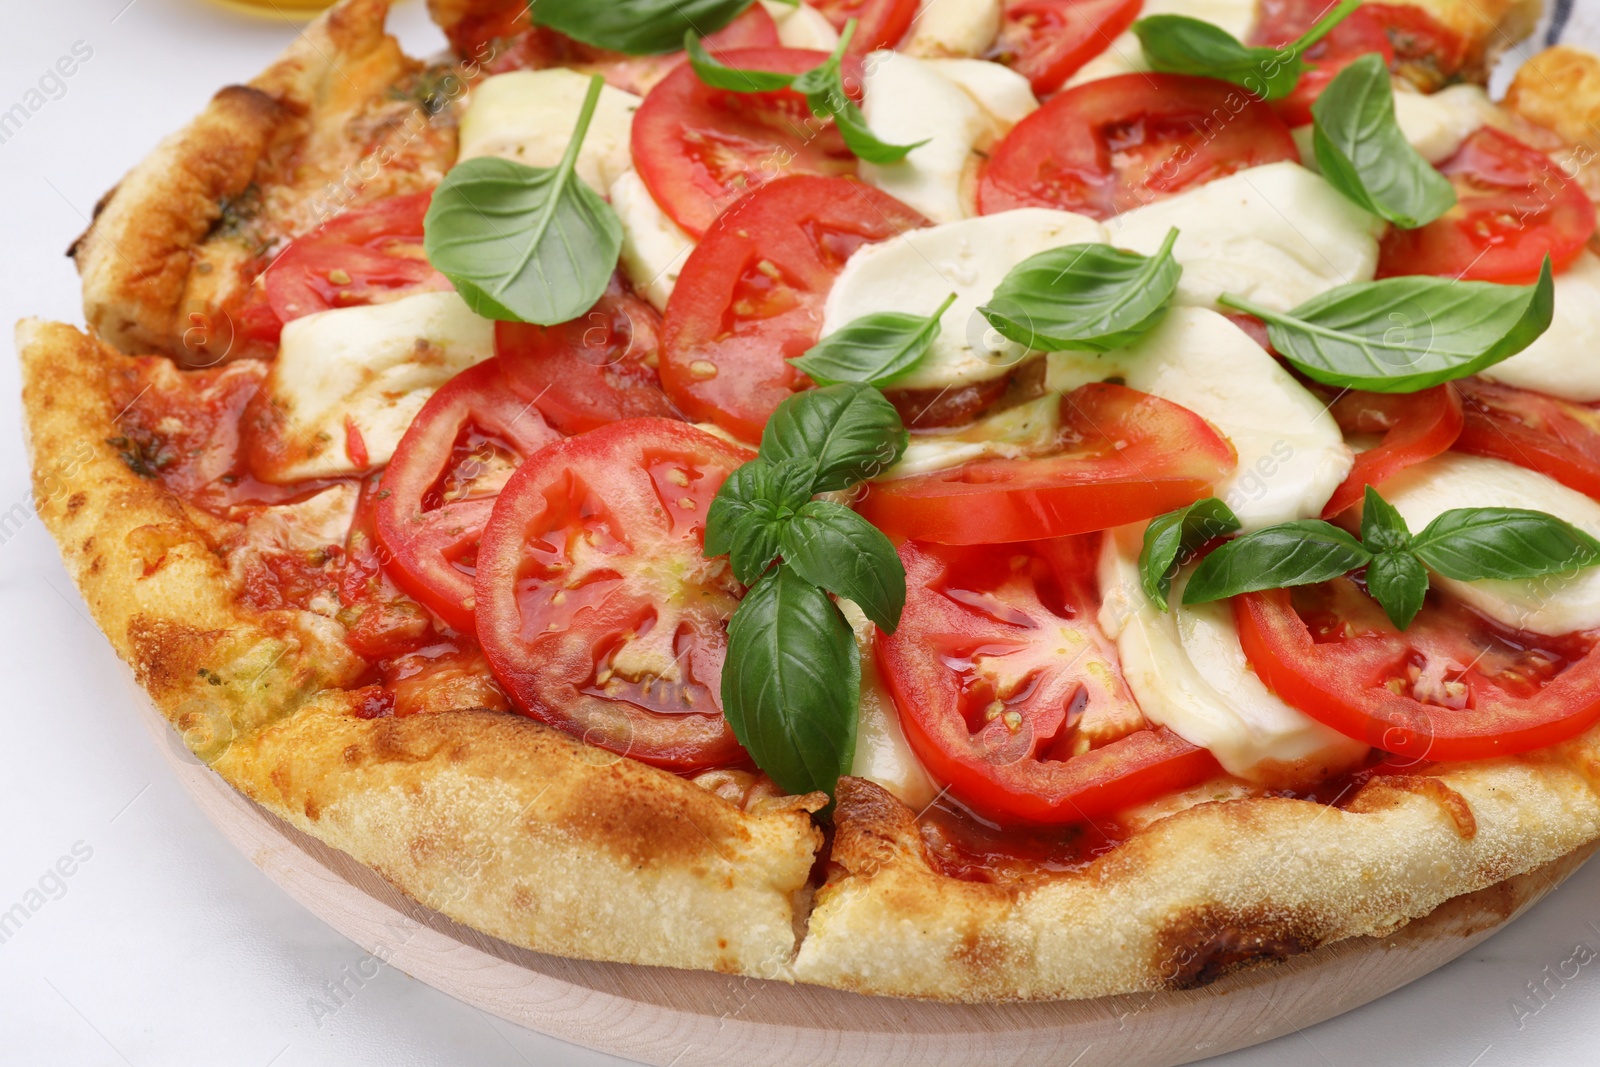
1559	89
492	818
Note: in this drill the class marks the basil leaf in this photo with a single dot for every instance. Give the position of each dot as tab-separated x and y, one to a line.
1383	529
1469	544
1400	335
831	546
736	79
1172	538
1090	297
1399	584
637	27
852	126
1364	155
525	244
845	433
874	348
1302	552
748	514
791	683
1177	44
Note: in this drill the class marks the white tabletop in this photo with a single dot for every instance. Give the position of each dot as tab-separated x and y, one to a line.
164	946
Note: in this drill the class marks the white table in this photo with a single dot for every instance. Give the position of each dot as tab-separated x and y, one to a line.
166	947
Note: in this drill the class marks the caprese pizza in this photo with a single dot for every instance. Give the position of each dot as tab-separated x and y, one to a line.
973	499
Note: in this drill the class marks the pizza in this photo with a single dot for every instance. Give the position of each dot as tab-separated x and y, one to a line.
974	500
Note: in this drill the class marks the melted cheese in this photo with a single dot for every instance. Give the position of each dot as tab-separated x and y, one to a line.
906	100
882	753
653	246
1124	55
1562	361
1277	235
802	26
529	115
1026	429
953	28
999	90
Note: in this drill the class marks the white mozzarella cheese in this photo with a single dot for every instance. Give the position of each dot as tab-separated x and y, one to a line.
374	366
1124	56
999	90
529	115
914	273
653	246
1188	673
1277	235
906	100
1291	454
953	28
1561	361
1027	429
802	26
1554	604
882	753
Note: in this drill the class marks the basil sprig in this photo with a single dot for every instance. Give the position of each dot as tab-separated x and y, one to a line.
637	27
822	86
1178	44
875	348
1362	152
791	683
1088	297
525	244
1399	335
1466	544
1171	540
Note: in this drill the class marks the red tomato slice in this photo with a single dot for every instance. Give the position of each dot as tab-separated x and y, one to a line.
879	23
699	149
440	486
1110	145
1124	456
1543	433
596	369
750	295
1359	33
1009	693
1453	686
1426	51
1415	427
596	609
1513	206
1046	41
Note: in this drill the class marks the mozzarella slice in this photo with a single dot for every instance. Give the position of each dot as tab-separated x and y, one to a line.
1291	454
1554	604
1188	673
953	28
906	100
1277	235
1124	55
653	246
917	270
369	367
802	26
1561	361
882	753
1027	429
999	90
528	116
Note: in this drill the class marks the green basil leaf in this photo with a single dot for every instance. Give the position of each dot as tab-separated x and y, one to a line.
874	348
1177	44
831	546
1400	335
1172	538
1469	544
525	244
1302	552
1364	155
748	514
736	79
852	126
791	683
1089	297
1398	583
1383	529
844	433
637	27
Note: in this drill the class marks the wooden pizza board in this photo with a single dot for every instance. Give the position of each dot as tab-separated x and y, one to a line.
663	1016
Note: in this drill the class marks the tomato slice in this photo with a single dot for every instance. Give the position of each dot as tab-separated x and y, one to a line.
440	486
596	369
1555	437
699	149
879	23
1110	145
1426	52
1513	206
1361	32
1123	456
596	609
1046	41
750	295
1415	427
1009	693
1452	686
